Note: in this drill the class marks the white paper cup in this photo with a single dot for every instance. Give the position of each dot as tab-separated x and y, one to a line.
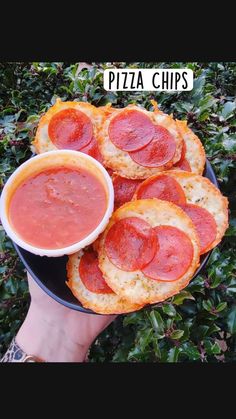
49	160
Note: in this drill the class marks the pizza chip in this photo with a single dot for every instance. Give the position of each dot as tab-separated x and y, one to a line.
145	266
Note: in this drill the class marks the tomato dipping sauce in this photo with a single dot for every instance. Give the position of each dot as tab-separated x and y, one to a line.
57	207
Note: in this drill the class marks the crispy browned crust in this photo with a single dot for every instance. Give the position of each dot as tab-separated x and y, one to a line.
99	303
195	153
135	286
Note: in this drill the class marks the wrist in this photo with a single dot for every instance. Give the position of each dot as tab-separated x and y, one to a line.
48	340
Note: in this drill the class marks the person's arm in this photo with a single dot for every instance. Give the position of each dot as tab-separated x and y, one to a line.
54	333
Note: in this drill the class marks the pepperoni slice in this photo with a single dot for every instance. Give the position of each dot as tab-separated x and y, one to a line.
183	165
162	187
174	256
92	150
91	275
124	189
158	152
205	224
130	244
131	130
70	129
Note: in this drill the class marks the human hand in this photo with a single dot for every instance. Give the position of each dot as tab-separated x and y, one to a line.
56	333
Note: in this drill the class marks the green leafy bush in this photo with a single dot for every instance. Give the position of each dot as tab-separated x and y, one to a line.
199	324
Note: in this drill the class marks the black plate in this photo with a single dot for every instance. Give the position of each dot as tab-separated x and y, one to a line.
50	273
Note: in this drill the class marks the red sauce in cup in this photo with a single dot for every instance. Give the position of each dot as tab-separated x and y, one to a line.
57	207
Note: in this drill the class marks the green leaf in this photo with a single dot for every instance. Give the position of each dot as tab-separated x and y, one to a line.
121	355
215	255
169	310
145	338
132	318
183	107
229	142
197	285
173	354
186	327
227	110
178	317
216	349
213	328
206	103
231	231
177	334
211	348
203	115
135	353
231	320
231	289
183	295
202	331
156	347
191	351
169	323
157	322
198	85
221	307
216	281
207	305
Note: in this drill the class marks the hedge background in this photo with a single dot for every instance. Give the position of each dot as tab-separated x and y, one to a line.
199	324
